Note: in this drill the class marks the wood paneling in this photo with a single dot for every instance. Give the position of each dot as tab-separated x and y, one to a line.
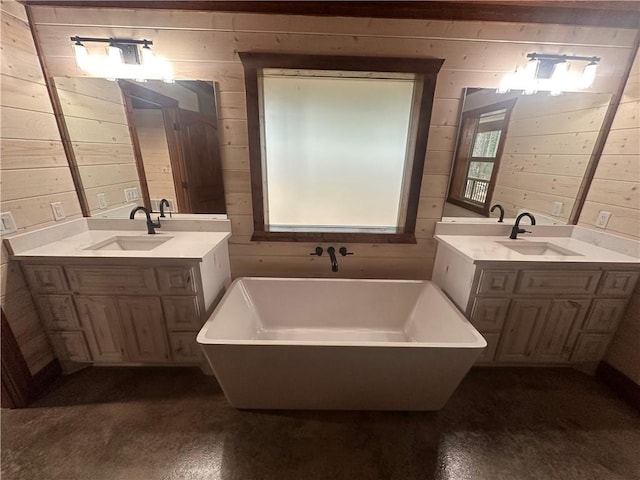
95	117
34	172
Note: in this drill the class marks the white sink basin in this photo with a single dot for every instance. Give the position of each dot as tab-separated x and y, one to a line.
538	248
129	243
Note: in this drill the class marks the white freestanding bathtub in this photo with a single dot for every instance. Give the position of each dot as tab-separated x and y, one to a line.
286	343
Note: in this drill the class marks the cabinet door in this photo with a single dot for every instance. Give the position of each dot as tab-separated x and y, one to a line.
184	348
560	330
57	312
522	330
605	315
70	346
144	331
489	313
182	313
590	347
101	321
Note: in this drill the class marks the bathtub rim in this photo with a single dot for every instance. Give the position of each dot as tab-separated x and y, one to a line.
204	341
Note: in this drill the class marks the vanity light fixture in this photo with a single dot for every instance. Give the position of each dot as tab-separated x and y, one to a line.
124	59
552	73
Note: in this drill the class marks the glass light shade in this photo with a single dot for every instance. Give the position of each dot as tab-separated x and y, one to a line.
115	55
147	55
531	69
588	75
81	55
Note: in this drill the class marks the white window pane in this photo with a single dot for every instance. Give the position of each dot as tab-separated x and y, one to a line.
486	144
335	150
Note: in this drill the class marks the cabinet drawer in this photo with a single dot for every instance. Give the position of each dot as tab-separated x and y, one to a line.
45	278
489	353
57	312
558	282
70	346
590	347
176	280
488	314
605	315
496	281
184	347
129	280
618	283
182	314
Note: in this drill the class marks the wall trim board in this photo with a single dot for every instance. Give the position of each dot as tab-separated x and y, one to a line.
603	135
617	14
620	383
60	120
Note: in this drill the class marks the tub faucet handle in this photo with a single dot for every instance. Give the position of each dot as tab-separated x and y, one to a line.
343	251
318	252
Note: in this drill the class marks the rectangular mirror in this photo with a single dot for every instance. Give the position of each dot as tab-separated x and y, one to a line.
135	143
524	152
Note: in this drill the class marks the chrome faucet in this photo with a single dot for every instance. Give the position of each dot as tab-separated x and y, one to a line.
334	261
164	202
150	225
498	206
516	228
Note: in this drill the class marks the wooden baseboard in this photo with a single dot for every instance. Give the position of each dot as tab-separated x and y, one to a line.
620	383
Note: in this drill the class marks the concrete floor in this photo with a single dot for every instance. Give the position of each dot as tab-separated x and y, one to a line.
138	424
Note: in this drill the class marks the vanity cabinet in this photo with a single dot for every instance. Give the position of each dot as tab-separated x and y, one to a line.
542	313
127	314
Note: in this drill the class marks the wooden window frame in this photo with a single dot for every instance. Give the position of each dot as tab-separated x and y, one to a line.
426	70
462	158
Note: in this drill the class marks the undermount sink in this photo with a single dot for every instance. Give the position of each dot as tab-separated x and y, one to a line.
538	248
129	243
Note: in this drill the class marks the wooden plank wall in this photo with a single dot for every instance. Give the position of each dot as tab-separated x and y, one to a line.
96	119
34	172
204	46
616	189
155	152
549	143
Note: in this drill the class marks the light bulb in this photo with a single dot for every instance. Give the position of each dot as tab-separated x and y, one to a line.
531	69
147	55
81	55
588	75
558	79
115	54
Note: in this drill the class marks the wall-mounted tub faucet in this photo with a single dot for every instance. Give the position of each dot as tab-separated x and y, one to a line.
150	225
497	205
334	261
516	228
164	202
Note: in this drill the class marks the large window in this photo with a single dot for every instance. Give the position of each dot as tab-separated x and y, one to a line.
337	145
481	138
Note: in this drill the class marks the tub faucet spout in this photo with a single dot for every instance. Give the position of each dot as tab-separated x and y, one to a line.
334	261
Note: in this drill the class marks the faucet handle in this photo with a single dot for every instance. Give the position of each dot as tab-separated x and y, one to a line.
318	252
343	251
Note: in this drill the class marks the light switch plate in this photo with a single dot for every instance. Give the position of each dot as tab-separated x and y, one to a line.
58	211
557	208
603	219
102	201
131	194
8	224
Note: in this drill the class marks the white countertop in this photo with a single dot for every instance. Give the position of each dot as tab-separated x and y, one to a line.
484	248
181	245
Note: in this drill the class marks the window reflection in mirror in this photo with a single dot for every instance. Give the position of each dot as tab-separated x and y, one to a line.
525	152
135	143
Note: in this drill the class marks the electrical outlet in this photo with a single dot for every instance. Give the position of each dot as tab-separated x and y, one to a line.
58	211
8	224
131	194
557	208
102	201
603	219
